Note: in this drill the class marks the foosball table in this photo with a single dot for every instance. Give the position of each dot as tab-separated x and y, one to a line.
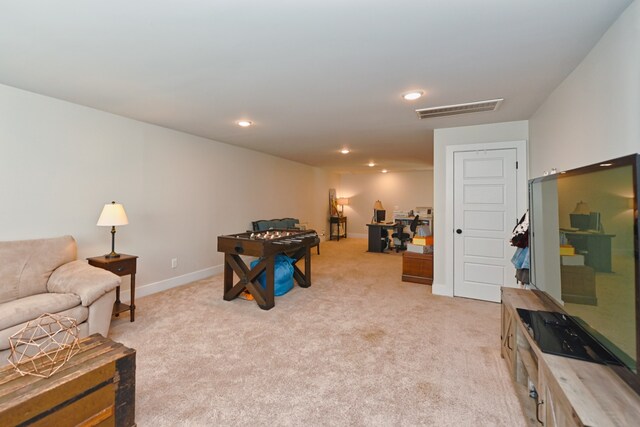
266	245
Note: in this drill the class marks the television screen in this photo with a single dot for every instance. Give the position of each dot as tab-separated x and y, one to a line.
380	215
588	263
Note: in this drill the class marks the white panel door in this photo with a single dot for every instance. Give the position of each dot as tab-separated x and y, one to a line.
484	216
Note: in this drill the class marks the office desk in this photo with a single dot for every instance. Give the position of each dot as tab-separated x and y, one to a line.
377	241
596	248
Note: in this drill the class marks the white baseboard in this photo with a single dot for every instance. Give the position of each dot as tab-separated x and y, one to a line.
173	282
358	235
441	289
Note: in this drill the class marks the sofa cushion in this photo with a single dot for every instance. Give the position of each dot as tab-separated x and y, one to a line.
24	309
265	225
86	281
79	313
27	264
290	222
278	224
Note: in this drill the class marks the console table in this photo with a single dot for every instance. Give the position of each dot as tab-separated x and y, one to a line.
568	392
338	221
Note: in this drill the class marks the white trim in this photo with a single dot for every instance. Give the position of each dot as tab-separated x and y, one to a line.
173	282
442	289
521	199
357	236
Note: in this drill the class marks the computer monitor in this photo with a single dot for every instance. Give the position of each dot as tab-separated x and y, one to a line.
380	215
584	222
594	221
580	221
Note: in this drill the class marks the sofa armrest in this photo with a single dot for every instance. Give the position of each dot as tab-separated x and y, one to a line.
86	281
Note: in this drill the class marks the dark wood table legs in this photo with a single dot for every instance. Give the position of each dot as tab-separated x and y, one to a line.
249	280
248	277
303	279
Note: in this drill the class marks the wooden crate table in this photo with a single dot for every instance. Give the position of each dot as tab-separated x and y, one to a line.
296	244
95	387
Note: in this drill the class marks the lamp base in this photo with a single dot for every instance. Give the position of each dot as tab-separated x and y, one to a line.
113	253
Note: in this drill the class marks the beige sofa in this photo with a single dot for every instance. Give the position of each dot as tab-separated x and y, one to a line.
43	276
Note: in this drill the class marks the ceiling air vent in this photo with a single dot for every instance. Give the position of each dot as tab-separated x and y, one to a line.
453	110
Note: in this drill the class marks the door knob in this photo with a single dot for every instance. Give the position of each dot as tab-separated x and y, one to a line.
459	231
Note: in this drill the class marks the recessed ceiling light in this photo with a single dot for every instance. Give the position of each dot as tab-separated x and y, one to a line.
371	164
413	95
244	123
384	171
606	164
345	151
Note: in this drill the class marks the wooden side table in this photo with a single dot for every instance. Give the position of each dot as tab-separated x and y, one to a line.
122	266
338	221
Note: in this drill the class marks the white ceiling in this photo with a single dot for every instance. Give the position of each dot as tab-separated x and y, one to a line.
312	75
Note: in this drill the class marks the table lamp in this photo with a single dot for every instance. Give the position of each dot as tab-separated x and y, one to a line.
377	206
582	208
342	201
113	214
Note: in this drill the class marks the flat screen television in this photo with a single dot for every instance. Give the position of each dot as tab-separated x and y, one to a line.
381	214
591	273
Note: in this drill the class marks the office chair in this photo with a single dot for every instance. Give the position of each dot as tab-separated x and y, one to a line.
404	237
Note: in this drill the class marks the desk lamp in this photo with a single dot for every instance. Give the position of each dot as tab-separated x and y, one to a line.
377	206
342	201
580	216
113	214
582	208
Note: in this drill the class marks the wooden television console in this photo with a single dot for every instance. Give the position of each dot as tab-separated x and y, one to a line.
569	392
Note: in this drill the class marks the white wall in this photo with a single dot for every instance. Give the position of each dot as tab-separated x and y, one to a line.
60	162
406	190
594	113
491	133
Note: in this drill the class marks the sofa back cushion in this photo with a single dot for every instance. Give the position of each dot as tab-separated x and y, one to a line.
25	265
278	224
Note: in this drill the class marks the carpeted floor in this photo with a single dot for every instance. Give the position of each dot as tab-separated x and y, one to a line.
359	347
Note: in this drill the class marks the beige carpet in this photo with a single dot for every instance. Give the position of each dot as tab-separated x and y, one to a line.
359	347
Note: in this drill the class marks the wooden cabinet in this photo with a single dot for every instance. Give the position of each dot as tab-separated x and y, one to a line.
508	338
556	390
417	268
552	408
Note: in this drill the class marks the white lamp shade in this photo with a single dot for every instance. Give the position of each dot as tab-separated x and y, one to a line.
113	214
582	208
343	201
378	205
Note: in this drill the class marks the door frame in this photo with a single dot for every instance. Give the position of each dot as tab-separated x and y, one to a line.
521	197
